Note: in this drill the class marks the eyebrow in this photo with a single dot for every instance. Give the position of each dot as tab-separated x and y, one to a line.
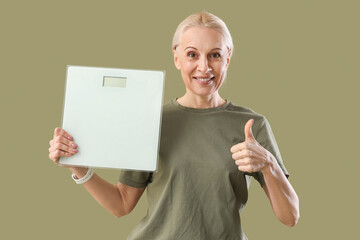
211	49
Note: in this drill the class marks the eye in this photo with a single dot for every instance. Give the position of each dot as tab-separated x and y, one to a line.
215	55
191	55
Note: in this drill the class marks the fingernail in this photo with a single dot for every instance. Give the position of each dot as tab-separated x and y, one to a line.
69	137
74	150
74	145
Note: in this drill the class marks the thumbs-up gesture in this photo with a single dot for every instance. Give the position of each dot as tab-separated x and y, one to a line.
249	155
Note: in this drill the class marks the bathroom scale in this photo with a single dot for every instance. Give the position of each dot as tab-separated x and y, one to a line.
114	115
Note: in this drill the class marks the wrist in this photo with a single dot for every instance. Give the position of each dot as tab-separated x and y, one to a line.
270	164
79	172
88	175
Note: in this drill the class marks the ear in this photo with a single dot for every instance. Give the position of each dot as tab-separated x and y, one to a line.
228	60
176	59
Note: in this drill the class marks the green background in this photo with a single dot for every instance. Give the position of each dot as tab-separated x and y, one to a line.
296	62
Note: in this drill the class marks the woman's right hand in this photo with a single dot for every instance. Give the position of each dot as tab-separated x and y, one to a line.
62	145
118	199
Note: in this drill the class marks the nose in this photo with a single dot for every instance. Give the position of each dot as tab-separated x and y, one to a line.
203	65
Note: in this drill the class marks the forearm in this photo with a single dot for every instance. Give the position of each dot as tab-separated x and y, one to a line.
283	198
106	194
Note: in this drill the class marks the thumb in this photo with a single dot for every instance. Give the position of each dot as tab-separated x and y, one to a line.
249	137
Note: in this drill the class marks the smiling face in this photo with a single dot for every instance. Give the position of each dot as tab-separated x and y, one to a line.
203	59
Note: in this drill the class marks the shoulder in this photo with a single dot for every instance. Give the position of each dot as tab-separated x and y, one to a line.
169	110
168	105
246	112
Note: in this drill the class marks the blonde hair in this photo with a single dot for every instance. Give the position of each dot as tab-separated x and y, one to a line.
204	19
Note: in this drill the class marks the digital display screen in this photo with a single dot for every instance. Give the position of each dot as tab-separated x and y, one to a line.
114	82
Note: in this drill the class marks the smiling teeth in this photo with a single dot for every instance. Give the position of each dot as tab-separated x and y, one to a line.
203	79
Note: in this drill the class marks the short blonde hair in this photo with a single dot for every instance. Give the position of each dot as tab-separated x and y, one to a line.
204	19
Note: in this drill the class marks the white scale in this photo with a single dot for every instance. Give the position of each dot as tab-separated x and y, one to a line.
114	116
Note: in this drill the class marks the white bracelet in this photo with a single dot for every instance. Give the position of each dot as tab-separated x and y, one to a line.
90	172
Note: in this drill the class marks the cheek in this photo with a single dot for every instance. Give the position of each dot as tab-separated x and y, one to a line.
189	67
220	67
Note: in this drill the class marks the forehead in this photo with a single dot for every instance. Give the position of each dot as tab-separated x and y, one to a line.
202	38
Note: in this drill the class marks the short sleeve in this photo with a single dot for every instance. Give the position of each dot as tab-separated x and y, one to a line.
266	138
137	179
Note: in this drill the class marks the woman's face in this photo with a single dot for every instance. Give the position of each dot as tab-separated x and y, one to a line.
203	58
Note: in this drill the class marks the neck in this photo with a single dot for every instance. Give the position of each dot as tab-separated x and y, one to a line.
196	101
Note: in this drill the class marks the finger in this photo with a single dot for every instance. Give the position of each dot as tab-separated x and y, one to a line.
55	155
62	147
62	132
241	146
63	140
245	153
249	137
243	162
247	168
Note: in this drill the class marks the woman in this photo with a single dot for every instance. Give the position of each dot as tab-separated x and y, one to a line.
209	150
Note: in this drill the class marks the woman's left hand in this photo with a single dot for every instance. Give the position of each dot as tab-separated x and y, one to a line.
250	156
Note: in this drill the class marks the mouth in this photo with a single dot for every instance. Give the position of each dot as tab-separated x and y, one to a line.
204	79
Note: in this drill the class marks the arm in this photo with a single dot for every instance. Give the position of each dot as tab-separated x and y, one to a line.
118	199
282	196
250	156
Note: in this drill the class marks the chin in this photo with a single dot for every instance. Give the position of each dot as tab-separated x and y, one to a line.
201	93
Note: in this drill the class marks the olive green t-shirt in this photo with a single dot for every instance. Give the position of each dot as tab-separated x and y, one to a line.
197	192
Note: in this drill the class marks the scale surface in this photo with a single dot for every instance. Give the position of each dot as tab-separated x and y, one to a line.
114	116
